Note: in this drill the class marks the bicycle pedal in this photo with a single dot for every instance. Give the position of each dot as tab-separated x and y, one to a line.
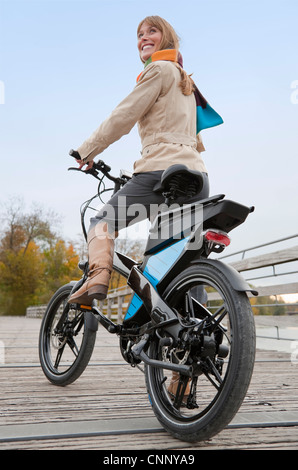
85	307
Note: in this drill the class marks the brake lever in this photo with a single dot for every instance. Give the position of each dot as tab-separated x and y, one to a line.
76	169
91	171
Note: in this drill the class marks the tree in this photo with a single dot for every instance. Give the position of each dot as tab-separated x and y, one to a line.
20	275
34	261
21	228
60	265
268	305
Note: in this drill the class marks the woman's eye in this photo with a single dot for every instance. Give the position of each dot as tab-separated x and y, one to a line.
151	31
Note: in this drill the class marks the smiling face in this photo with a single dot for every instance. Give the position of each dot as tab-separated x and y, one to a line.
149	40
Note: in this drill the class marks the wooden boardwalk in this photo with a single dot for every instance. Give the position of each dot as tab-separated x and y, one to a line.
107	407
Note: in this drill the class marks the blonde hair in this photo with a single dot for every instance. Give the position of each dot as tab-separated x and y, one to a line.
170	40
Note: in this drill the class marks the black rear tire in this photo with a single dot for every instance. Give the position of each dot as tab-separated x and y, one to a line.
222	383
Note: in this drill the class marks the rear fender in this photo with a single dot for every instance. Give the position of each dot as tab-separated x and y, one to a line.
237	281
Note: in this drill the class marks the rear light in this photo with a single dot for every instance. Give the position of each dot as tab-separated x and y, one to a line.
215	236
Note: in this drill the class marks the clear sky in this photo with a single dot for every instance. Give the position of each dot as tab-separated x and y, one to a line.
65	64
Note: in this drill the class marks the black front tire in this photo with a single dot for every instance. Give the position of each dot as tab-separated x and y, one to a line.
66	341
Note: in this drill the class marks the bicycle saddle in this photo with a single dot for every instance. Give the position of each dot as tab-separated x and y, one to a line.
179	177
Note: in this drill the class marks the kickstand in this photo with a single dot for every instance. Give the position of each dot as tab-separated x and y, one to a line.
178	401
191	401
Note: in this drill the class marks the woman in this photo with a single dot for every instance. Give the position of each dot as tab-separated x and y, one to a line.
164	106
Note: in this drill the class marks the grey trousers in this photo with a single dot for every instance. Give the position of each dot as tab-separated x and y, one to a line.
136	201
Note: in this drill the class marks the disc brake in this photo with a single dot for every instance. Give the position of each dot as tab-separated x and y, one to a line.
175	355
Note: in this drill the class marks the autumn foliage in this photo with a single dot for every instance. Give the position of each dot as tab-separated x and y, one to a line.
34	261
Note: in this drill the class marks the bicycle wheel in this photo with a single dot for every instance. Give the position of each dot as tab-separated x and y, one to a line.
65	341
220	349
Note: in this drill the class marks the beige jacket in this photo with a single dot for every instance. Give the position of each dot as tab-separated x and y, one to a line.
166	121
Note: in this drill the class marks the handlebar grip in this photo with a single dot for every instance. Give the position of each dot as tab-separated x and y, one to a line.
102	166
75	154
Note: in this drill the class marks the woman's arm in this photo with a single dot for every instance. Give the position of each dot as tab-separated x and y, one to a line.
125	115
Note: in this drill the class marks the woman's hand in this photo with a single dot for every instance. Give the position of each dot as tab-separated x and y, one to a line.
81	164
75	154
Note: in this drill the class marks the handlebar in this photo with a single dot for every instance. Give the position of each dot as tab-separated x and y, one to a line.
101	167
95	170
75	154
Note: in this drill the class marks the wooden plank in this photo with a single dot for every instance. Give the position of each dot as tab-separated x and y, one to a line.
279	289
117	391
116	427
269	259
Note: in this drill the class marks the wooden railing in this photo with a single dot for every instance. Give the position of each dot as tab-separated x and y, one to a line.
117	300
113	306
271	260
116	303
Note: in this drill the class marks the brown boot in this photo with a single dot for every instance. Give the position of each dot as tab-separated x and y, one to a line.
101	252
172	389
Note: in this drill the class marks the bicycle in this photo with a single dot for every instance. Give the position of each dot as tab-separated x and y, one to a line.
188	314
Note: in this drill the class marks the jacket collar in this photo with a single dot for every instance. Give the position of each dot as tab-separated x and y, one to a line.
165	54
171	55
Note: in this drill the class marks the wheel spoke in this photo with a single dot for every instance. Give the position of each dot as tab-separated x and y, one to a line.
59	356
73	346
189	305
214	372
222	312
77	324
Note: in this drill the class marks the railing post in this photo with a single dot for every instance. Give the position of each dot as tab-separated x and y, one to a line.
109	308
120	313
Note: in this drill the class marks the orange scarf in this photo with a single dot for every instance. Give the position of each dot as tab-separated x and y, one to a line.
165	54
206	116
